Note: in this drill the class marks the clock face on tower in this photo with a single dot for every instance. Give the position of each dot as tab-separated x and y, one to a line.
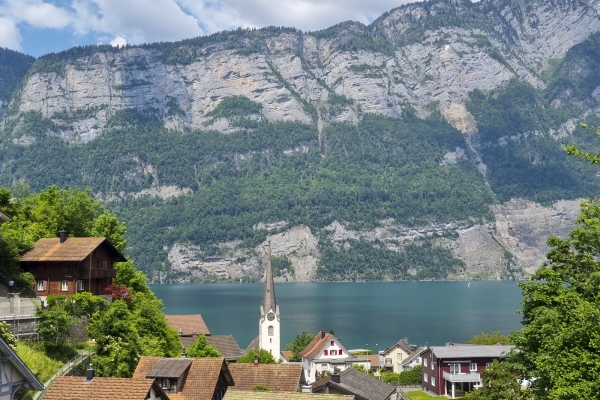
270	316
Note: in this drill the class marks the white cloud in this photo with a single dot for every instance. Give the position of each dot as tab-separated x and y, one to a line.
118	41
9	34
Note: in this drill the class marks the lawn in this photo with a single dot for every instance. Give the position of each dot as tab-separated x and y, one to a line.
419	395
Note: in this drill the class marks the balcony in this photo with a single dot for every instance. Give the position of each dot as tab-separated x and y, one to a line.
470	377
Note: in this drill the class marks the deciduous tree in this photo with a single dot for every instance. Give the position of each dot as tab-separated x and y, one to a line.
201	348
300	342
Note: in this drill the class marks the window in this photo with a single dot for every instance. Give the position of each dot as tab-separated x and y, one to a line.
388	360
166	383
332	343
334	352
487	365
104	264
473	367
425	377
324	366
455	369
400	356
432	381
270	340
81	284
271	330
64	286
424	362
432	365
41	286
326	352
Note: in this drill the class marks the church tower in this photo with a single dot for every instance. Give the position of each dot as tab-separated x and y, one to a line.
269	323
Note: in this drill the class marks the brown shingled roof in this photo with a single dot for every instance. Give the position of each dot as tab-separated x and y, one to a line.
374	358
200	381
277	377
227	346
233	394
77	388
316	344
73	249
191	324
287	354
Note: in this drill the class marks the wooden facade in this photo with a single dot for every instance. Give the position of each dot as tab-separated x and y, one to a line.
75	265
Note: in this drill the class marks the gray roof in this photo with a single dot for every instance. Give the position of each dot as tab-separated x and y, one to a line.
254	345
414	355
227	346
463	351
170	368
31	381
361	385
403	343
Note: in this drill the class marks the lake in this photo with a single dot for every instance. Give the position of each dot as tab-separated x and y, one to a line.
380	313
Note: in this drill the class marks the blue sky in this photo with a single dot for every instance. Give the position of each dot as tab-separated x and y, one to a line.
38	27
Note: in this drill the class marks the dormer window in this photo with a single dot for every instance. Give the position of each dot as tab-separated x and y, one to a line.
169	373
332	343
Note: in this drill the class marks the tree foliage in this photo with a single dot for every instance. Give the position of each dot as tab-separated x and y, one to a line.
499	382
264	357
7	335
298	344
559	343
201	348
490	338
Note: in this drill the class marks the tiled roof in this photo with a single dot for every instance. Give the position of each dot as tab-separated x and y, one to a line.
189	324
170	368
227	346
233	394
200	381
277	377
254	344
73	249
495	351
374	358
287	354
315	346
403	344
77	388
359	384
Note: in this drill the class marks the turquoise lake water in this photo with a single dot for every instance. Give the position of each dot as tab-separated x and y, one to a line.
373	312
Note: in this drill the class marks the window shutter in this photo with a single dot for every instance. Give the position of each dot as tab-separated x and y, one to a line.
326	352
340	352
45	285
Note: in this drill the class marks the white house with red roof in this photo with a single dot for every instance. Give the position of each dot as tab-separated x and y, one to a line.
325	353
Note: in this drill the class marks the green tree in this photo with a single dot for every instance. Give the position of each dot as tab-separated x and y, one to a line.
559	343
264	357
300	342
54	325
201	348
499	382
573	150
411	376
157	337
128	275
490	338
7	335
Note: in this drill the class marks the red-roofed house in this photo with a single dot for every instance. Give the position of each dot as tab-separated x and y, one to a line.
64	266
325	353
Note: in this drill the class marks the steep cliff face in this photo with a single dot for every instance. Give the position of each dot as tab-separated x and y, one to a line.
515	78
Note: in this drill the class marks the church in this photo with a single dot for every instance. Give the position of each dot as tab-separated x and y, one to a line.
269	323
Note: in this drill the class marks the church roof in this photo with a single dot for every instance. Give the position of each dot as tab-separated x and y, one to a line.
269	301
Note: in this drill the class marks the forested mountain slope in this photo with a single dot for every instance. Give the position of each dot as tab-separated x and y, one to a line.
425	145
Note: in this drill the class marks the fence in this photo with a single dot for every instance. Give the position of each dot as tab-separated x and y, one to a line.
20	314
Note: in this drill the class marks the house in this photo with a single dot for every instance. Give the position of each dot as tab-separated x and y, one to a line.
78	388
356	383
187	378
452	370
276	377
191	325
14	374
326	354
375	363
395	357
64	266
234	394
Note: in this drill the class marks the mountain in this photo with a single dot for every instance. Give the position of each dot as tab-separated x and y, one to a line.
427	145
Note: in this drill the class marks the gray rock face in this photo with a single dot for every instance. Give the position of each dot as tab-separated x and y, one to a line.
436	69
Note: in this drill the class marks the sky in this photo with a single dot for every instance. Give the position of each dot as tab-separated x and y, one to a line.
38	27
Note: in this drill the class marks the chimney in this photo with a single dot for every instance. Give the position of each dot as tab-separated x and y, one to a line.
183	353
89	374
306	389
180	331
451	344
331	331
63	236
322	334
335	378
256	359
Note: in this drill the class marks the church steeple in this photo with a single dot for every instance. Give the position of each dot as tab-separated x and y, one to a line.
269	322
269	301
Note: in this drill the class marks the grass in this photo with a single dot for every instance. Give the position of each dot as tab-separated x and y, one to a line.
38	362
419	395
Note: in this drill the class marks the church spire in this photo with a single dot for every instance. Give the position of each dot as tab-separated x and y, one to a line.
269	302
